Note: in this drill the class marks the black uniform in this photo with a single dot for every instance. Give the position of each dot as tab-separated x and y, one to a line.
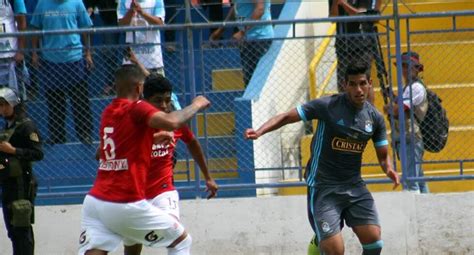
107	10
336	191
356	41
26	140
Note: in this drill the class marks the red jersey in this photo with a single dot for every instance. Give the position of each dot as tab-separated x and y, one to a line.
125	147
160	176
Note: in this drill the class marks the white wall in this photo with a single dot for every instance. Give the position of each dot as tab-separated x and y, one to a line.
411	224
285	88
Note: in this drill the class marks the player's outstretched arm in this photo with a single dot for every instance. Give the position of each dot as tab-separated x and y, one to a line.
386	163
195	149
273	123
177	119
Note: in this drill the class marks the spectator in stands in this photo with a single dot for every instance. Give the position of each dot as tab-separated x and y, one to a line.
336	191
65	64
359	47
255	40
215	11
144	13
160	190
20	145
415	105
12	68
171	7
110	51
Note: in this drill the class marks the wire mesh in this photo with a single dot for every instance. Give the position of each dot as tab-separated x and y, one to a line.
247	81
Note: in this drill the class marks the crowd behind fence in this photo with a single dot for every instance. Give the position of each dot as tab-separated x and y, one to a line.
66	98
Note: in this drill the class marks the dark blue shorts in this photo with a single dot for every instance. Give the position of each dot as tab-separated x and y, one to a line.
330	207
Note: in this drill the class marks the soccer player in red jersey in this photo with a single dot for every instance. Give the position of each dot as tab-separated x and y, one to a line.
116	208
161	191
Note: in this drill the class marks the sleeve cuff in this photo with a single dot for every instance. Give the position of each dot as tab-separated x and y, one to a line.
381	143
300	111
20	7
19	152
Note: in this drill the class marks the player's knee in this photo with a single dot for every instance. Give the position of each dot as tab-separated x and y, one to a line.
183	247
135	249
374	248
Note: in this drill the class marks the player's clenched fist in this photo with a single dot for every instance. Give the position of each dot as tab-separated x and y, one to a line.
394	177
251	134
201	102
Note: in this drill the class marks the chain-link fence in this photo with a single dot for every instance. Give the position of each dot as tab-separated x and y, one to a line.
248	81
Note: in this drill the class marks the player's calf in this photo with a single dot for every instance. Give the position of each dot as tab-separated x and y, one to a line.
182	245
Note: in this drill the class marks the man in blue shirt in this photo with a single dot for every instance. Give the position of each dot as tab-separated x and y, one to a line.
255	40
336	191
12	19
64	65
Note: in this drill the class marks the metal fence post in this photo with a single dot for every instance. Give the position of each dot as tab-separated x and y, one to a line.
192	83
401	113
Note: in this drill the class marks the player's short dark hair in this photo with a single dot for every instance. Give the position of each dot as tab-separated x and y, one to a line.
356	68
156	84
128	75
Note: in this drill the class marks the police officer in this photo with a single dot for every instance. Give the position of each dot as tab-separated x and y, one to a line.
20	145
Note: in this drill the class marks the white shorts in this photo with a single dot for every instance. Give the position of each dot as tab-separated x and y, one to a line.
105	224
168	202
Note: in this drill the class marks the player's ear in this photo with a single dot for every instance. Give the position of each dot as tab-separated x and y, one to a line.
344	87
139	88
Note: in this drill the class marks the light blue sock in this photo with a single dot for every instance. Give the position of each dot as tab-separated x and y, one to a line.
374	248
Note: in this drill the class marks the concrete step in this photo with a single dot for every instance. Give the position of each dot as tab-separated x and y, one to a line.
227	79
226	56
216	124
421	6
444	62
219	168
448	56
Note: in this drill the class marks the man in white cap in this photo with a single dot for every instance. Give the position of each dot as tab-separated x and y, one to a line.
415	101
20	145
